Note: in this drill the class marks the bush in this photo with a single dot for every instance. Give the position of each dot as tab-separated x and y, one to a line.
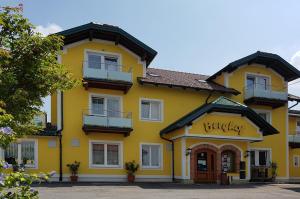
74	168
131	167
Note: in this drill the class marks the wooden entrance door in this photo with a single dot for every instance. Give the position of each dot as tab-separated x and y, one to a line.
206	166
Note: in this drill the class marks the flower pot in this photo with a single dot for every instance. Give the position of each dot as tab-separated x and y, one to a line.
130	178
74	178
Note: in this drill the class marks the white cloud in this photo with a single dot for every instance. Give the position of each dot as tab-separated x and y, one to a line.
48	29
294	86
295	60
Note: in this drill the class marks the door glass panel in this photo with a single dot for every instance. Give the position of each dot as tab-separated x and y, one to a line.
97	105
113	107
202	161
262	83
252	158
111	63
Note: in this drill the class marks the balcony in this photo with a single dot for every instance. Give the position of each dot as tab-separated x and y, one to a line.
108	122
294	140
106	76
261	174
265	95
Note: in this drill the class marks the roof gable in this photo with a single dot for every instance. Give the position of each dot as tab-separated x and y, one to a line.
223	105
109	33
270	60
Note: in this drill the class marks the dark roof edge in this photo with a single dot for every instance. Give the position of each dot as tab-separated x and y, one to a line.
264	126
234	92
235	64
113	29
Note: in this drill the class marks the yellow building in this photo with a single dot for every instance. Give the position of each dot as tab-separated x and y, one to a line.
176	125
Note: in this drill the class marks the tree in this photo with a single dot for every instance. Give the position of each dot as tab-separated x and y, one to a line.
29	71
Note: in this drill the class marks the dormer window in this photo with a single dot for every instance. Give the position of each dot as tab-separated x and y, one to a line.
103	61
258	82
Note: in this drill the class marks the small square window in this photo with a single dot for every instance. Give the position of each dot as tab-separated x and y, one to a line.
151	110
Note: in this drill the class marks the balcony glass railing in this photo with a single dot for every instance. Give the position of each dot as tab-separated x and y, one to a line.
106	71
265	91
107	119
294	138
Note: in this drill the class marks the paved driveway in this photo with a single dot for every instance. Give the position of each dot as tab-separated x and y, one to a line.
166	190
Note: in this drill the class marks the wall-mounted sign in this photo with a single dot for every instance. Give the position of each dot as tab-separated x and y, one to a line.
223	126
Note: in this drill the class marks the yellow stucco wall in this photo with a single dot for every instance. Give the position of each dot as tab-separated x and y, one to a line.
176	103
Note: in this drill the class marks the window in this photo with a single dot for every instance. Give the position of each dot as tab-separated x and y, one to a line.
22	153
257	82
298	127
105	154
296	160
260	157
102	61
151	155
105	106
228	161
151	110
266	115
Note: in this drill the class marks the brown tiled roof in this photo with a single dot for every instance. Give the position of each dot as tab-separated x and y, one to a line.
293	98
182	79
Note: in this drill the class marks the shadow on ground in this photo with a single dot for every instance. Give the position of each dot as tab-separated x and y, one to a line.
154	185
295	189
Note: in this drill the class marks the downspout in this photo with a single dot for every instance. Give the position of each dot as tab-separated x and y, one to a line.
60	135
173	157
293	105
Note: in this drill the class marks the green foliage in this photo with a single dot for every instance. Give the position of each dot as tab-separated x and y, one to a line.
17	184
131	167
74	168
29	70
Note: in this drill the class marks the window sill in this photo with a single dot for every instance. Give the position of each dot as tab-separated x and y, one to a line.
150	120
105	167
151	168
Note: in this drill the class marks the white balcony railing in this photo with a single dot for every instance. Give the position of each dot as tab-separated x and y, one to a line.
97	70
294	138
107	119
264	91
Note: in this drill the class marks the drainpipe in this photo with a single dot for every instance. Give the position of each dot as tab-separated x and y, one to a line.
293	105
59	132
173	156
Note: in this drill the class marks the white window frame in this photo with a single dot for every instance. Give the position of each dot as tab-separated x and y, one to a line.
105	165
297	130
294	161
35	166
256	151
268	112
161	111
161	149
120	98
256	75
103	54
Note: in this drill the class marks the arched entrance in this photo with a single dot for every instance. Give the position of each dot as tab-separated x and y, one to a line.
204	167
208	161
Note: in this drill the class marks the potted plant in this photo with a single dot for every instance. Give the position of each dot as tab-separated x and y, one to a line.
74	171
274	170
131	168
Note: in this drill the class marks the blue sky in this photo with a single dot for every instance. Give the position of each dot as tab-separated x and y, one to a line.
193	36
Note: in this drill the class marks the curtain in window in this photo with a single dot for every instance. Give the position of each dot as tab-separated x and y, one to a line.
111	63
112	154
11	153
155	155
155	110
94	61
98	154
146	155
113	107
97	105
146	109
27	152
